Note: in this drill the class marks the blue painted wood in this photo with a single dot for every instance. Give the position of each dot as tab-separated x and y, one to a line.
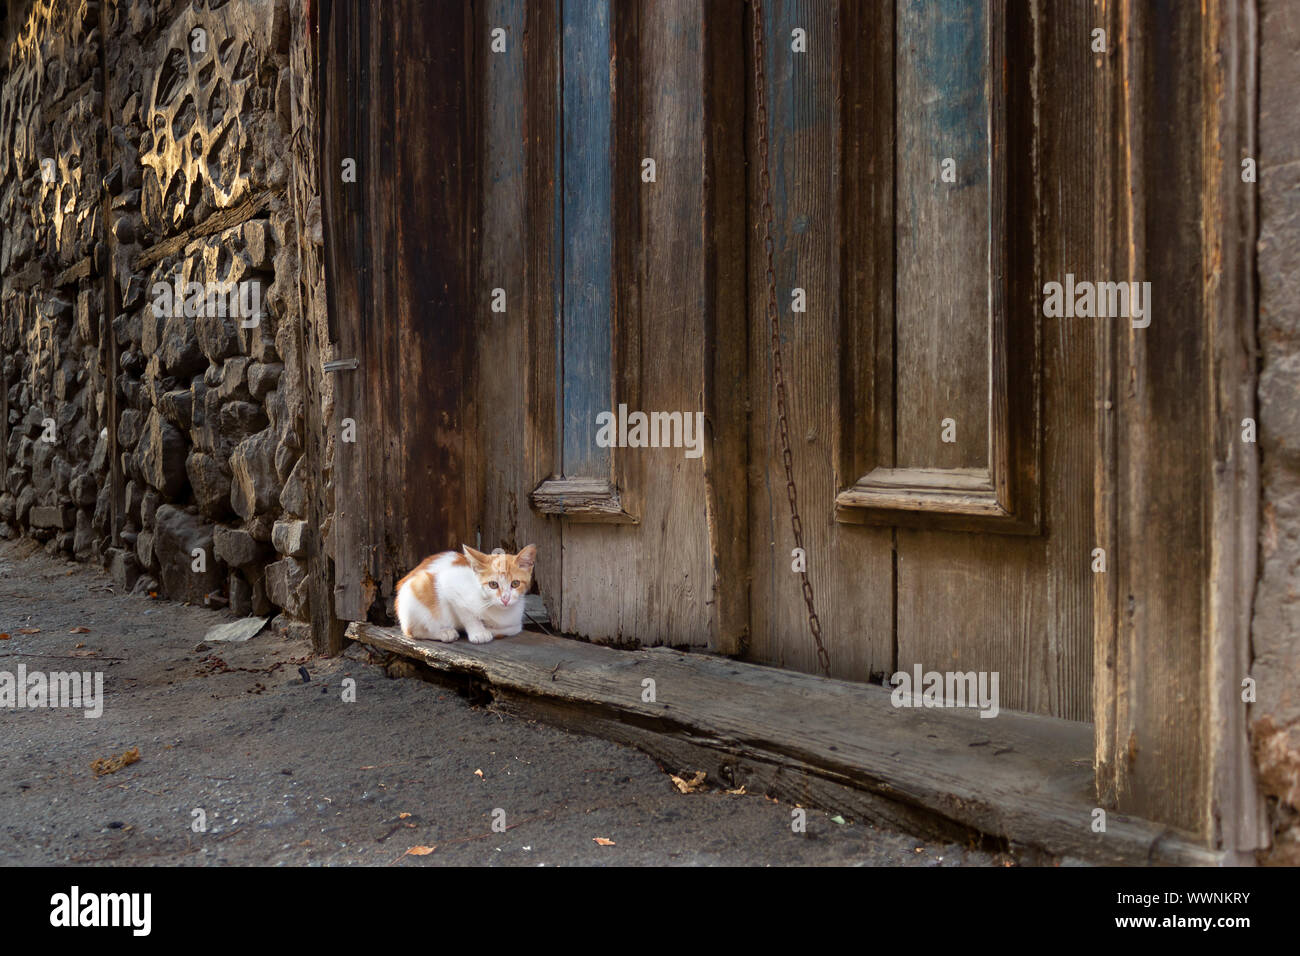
585	341
943	233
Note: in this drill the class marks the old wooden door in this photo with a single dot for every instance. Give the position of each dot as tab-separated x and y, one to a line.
941	427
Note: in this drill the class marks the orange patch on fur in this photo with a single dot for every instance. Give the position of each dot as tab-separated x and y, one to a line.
422	585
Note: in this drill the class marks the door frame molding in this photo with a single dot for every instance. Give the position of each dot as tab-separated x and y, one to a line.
1006	495
1170	652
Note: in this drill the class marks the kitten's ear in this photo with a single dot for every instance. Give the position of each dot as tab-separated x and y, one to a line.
477	559
525	558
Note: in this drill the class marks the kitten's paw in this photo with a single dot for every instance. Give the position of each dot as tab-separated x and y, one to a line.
446	634
479	636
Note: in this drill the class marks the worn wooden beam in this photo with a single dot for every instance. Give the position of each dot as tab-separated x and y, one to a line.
726	323
1155	471
82	269
1238	819
836	744
581	499
400	253
312	338
219	221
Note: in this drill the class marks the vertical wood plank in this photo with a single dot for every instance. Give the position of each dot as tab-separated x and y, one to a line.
586	343
726	326
517	137
1021	606
651	582
312	336
1238	820
850	567
1152	638
343	38
399	269
943	233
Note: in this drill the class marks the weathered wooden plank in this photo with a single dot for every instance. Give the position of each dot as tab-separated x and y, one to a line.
517	135
1020	606
543	257
581	499
726	323
1151	650
400	257
219	221
943	233
1067	154
82	269
810	113
343	38
312	336
586	341
651	582
1239	821
1021	776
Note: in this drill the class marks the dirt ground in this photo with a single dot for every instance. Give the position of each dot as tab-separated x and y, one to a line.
285	772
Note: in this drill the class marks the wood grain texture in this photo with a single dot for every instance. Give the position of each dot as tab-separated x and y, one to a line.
1238	820
1155	471
1021	605
312	336
810	110
651	582
1020	776
726	322
581	499
586	184
511	424
399	266
943	233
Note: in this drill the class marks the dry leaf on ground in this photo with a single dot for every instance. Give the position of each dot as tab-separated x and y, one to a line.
688	785
419	851
402	816
79	630
29	630
601	841
103	765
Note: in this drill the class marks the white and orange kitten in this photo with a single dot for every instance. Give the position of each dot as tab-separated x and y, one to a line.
480	594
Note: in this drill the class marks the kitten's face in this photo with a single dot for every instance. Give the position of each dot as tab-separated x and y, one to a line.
504	578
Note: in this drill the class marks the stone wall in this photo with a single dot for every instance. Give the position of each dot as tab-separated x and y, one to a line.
1275	717
146	150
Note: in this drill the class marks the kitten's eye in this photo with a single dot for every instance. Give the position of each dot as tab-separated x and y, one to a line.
492	585
515	584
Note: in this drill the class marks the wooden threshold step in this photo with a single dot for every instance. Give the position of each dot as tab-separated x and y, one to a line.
837	745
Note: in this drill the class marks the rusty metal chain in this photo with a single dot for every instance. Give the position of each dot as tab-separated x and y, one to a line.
778	374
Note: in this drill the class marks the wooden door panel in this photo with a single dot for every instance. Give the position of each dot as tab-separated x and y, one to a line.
812	124
942	237
956	430
635	561
1022	605
514	418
